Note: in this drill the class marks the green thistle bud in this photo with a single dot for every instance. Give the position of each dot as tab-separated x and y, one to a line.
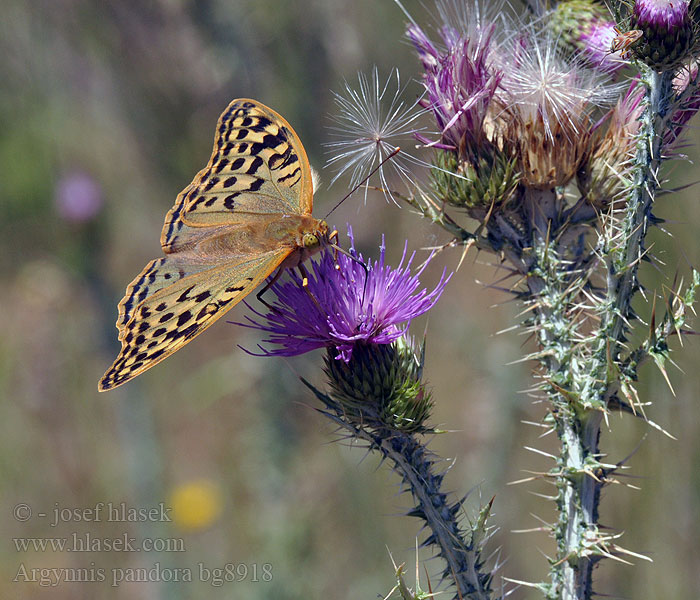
492	181
381	386
574	21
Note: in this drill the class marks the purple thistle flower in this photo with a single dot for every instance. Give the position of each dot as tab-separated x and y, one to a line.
661	14
460	83
597	41
344	305
669	32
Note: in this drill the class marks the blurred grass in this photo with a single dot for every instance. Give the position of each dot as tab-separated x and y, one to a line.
125	94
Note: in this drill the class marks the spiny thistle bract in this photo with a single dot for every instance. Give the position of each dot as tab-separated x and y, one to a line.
380	386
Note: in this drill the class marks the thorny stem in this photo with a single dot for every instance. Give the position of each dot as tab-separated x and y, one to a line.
416	466
578	409
623	260
577	428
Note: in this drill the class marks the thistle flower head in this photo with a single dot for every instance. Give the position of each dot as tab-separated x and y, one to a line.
548	101
344	305
371	123
607	172
666	14
669	32
459	78
585	28
380	386
596	44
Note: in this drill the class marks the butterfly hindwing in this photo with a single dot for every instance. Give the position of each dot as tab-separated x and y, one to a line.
169	316
258	166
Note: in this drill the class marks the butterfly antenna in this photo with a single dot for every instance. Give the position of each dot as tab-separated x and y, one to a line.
359	185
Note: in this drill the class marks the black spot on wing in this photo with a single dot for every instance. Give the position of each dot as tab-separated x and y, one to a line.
183	296
183	318
291	178
222	163
262	124
254	165
277	161
229	201
256	185
212	182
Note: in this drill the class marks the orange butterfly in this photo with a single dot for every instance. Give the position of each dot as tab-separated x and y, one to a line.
244	215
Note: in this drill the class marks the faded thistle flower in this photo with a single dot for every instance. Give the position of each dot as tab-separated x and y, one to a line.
607	173
548	103
372	122
360	313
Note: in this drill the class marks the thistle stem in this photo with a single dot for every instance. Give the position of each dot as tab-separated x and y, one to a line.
623	259
577	427
416	467
580	398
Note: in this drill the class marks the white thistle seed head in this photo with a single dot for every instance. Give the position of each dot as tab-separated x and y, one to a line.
372	122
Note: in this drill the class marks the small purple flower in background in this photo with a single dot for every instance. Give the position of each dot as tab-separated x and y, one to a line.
344	305
78	197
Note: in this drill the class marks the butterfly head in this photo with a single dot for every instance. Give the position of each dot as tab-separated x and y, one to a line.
316	238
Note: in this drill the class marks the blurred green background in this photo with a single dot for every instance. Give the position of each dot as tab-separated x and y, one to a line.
107	110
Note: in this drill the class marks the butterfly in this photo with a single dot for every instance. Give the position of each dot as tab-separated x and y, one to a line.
247	213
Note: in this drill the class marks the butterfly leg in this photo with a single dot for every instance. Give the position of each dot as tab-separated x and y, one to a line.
305	283
268	285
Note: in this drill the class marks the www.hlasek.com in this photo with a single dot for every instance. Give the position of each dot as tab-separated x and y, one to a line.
87	542
115	576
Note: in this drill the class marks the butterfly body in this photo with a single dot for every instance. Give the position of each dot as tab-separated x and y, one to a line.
243	216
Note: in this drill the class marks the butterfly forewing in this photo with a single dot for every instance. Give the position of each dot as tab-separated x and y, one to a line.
258	166
238	220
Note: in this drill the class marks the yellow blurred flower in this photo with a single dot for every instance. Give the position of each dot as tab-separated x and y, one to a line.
196	504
